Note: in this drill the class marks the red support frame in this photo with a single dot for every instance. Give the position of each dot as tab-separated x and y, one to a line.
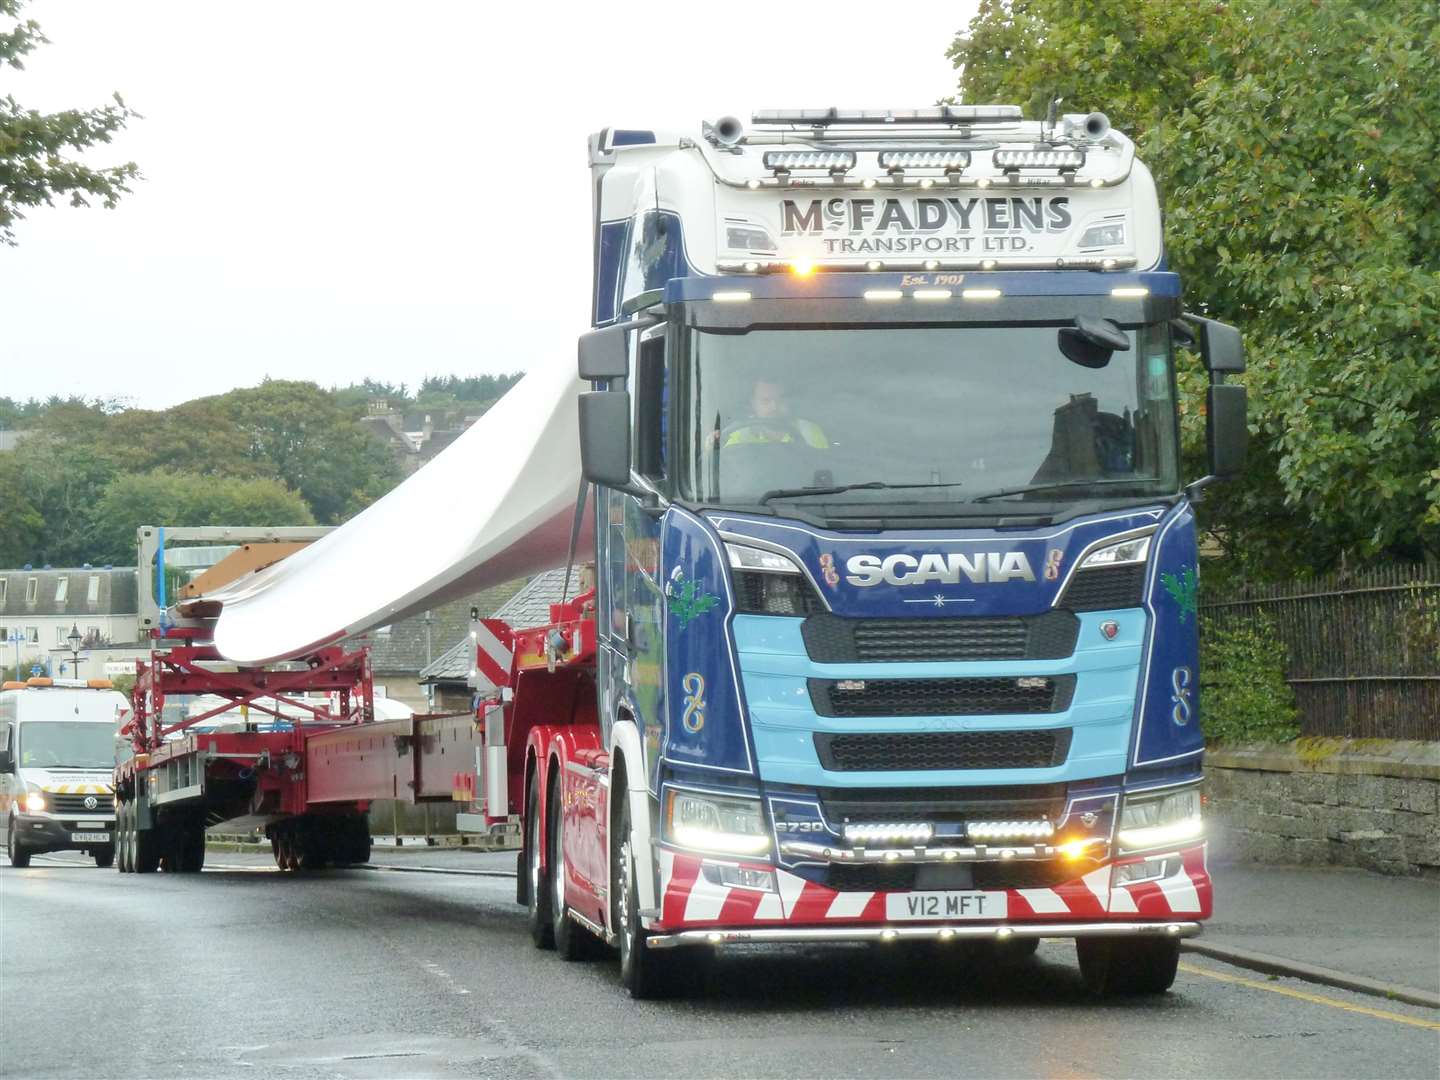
186	669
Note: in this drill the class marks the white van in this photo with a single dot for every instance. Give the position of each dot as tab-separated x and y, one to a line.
57	753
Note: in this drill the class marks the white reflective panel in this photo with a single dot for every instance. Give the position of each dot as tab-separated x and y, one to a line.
495	505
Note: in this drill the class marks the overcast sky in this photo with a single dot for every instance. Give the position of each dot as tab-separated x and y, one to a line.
336	190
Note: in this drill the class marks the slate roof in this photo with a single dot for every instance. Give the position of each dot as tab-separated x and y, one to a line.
399	649
530	606
116	592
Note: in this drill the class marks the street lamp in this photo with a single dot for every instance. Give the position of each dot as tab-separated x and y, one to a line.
74	638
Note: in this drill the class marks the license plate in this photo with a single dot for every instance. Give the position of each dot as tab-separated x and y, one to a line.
90	837
946	905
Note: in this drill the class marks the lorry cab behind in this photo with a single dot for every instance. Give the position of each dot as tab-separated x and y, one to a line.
57	750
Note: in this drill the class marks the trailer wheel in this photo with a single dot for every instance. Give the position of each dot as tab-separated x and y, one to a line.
1127	967
19	856
125	863
146	843
537	910
648	974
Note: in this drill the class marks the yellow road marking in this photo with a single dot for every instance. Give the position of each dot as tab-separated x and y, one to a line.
1317	999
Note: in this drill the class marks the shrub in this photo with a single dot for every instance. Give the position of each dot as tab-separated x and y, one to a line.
1244	696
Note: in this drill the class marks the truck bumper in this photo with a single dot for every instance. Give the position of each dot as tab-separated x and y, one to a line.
966	932
1164	894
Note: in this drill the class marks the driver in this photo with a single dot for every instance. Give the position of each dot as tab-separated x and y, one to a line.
770	421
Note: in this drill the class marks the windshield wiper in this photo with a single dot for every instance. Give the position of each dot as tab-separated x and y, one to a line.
1063	485
835	489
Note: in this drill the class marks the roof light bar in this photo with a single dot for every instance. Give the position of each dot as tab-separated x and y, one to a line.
944	114
1039	159
829	160
949	160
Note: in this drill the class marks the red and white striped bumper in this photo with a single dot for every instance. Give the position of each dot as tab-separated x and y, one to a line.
696	910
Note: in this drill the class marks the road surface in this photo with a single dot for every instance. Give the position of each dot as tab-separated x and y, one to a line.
244	971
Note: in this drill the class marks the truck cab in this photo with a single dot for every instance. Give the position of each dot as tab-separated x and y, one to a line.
897	564
57	750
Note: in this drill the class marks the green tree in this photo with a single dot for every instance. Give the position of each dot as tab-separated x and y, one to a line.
34	167
316	447
1295	145
21	523
174	498
62	481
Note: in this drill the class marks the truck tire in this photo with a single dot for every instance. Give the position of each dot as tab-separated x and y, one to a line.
352	841
19	856
104	857
537	909
125	860
1127	967
649	974
572	941
145	844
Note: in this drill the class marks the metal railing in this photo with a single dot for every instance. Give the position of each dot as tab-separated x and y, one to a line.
1364	648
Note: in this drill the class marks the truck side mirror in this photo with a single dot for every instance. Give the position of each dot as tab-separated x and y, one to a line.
603	353
1220	345
605	436
1227	436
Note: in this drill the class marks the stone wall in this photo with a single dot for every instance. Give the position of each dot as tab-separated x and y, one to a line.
1371	803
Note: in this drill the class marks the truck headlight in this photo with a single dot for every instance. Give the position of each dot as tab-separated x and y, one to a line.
1160	820
35	803
733	826
1125	553
768	583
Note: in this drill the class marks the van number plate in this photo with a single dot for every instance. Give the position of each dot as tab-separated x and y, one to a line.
946	905
90	837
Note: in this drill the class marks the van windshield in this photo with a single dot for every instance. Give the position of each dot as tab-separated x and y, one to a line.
66	744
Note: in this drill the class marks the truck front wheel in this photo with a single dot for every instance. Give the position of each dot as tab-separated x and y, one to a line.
647	973
1127	967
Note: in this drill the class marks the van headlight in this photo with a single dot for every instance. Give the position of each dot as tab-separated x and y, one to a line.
732	826
1160	820
35	803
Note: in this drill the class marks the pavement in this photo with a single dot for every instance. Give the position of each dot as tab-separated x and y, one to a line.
1337	926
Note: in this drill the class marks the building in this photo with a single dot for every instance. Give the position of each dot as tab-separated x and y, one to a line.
39	608
400	651
415	438
449	676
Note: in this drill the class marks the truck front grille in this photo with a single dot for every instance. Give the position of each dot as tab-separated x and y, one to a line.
934	750
1105	590
989	803
833	639
990	696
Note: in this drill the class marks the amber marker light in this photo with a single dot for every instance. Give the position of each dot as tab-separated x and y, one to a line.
802	267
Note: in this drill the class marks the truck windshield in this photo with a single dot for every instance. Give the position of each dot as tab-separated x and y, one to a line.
890	415
61	744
